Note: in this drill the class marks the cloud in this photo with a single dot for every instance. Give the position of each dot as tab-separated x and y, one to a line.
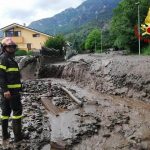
30	10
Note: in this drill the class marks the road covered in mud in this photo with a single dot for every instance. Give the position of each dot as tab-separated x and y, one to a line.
102	122
115	91
109	108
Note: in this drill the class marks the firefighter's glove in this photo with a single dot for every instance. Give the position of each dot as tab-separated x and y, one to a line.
7	95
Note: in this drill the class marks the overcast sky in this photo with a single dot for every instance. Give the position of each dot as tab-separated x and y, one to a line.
26	11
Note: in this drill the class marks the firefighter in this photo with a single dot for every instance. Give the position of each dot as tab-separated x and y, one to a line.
10	86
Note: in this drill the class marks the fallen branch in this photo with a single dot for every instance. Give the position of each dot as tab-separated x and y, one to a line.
72	96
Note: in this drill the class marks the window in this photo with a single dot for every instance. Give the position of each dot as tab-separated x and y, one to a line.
29	46
9	33
36	35
17	33
12	33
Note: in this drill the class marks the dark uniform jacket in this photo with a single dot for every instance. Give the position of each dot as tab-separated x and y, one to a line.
9	74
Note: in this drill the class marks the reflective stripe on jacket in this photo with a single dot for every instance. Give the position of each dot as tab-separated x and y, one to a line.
9	74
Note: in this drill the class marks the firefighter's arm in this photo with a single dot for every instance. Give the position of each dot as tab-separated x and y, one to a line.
3	80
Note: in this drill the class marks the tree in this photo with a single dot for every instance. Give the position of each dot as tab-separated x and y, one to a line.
124	21
57	42
93	41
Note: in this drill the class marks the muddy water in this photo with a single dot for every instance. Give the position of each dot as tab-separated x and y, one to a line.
67	124
113	122
103	122
46	147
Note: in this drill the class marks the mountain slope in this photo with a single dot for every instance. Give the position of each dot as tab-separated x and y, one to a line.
72	18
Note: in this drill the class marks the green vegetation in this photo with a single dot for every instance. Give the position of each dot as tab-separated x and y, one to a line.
119	33
93	41
146	50
124	21
21	52
78	36
57	43
30	53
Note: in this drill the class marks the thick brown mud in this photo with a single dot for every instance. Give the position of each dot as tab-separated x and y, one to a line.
103	122
35	122
115	111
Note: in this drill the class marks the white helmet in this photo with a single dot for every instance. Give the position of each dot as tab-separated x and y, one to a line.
8	41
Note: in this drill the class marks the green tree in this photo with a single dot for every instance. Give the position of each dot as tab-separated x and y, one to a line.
57	42
93	41
124	21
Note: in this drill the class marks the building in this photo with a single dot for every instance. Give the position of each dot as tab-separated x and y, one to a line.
26	38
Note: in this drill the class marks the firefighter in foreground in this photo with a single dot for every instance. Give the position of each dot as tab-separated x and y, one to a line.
10	86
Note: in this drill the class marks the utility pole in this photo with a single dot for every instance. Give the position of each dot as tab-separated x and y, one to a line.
96	13
101	41
79	20
95	42
139	33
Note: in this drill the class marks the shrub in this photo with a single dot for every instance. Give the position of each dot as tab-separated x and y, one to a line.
21	53
146	50
30	53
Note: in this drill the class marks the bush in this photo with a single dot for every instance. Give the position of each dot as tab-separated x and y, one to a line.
30	53
146	50
21	53
58	42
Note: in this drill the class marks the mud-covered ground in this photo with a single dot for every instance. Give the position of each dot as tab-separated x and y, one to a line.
115	74
125	80
114	90
35	120
104	122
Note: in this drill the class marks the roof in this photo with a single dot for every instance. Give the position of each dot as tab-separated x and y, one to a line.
24	27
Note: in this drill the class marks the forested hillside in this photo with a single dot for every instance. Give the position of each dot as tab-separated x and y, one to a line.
73	18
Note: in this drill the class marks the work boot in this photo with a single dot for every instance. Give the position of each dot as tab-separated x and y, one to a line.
5	144
17	130
5	133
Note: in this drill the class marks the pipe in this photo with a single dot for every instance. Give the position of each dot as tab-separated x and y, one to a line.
72	96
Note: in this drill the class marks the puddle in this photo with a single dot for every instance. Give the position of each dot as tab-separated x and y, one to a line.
104	121
67	126
46	147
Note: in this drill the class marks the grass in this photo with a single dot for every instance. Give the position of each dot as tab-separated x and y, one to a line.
146	50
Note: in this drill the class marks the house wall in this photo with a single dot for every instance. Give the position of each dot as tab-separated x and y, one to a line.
26	37
36	42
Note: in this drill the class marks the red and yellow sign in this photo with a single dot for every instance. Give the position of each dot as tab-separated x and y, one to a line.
146	27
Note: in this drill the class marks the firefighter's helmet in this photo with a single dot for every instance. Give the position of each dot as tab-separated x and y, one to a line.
8	41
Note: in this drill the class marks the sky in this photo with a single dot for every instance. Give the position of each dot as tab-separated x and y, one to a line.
27	11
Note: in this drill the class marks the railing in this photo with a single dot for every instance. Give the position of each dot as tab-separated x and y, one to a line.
18	40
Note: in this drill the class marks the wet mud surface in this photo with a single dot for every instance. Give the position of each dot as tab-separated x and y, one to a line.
103	122
35	120
114	91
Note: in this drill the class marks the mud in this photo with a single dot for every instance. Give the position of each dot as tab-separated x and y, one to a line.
115	74
121	123
124	118
36	126
115	92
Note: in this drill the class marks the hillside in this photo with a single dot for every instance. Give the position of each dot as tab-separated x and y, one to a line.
72	18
